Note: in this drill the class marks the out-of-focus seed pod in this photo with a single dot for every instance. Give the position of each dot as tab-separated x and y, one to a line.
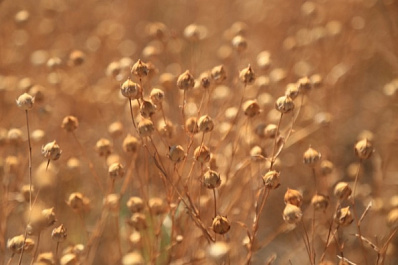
211	179
14	136
40	221
364	149
218	74
69	259
16	244
157	96
103	147
304	85
320	202
205	123
51	151
202	154
147	109
247	75
185	81
59	233
145	128
140	69
257	154
70	123
166	129
37	92
343	216
138	221
135	204
76	58
130	144
131	90
25	101
195	32
316	80
311	157
239	43
78	202
176	153
112	202
271	179
292	214
205	81
115	129
116	170
218	252
133	258
191	125
157	206
292	90
251	108
326	167
284	104
342	191
271	131
392	219
221	225
293	197
45	258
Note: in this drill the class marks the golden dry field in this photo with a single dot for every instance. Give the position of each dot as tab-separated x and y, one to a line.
199	132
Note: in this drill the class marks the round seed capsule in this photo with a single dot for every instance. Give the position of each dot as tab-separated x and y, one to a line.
130	90
212	179
145	127
342	191
364	149
205	123
251	108
221	225
103	147
293	197
343	216
284	104
311	157
247	75
185	81
140	69
70	123
202	154
271	179
292	214
25	101
218	74
176	153
320	202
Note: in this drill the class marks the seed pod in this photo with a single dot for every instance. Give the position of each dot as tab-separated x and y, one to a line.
70	123
239	43
218	252
135	204
78	202
156	30
284	104
167	80
292	90
166	129
157	96
247	75
392	219
145	127
103	147
364	149
191	125
59	233
320	202
176	153
257	154
293	197
264	60
45	258
220	225
131	90
292	214
69	259
115	129
133	258
218	74
111	202
211	179
40	221
326	167
25	192
51	151
140	69
138	221
311	157
76	58
116	170
25	101
316	80
130	144
147	109
304	85
14	136
37	92
205	81
202	154
185	81
157	206
12	165
342	191
271	179
16	244
251	108
194	32
343	216
205	123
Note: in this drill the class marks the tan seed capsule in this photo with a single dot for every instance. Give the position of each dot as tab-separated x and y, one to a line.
45	258
103	147
311	157
135	204
70	123
221	225
205	123
316	80
293	197
116	170
292	90
145	127
320	202
133	258
342	191
211	179
140	69
166	129
205	81
40	221
59	233
343	216
194	32
304	85
257	154
271	131
16	244
37	92
292	214
77	58
51	151
147	109
185	81
284	104
247	75
78	202
69	259
271	179
191	125
167	80
157	206
157	96
326	167
115	129
392	219
111	202
251	108
218	74
239	43
130	90
364	149
25	101
14	136
138	221
130	144
176	153
202	154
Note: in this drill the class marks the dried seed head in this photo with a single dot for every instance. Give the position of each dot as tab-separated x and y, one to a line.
116	170
70	123
257	154
166	129
167	80
25	101
138	221
239	43
326	167
40	221
343	216
103	147
191	125
311	157
140	69
251	108
133	258
78	202
157	206
147	109
130	144
247	75
59	233
218	74
115	129
156	30
25	192
292	90
16	244
264	60
392	219
11	165
185	81
176	153
54	63
304	85
342	191
51	151
218	252
145	127
14	136
293	197
271	179
205	81
202	154
157	96
37	92
194	32
284	104
113	69
221	224
111	202
135	204
271	131
212	179
364	149
292	214
131	90
77	58
205	123
45	258
69	259
316	80
320	202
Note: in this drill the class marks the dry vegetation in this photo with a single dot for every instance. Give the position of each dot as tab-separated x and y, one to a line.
199	132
